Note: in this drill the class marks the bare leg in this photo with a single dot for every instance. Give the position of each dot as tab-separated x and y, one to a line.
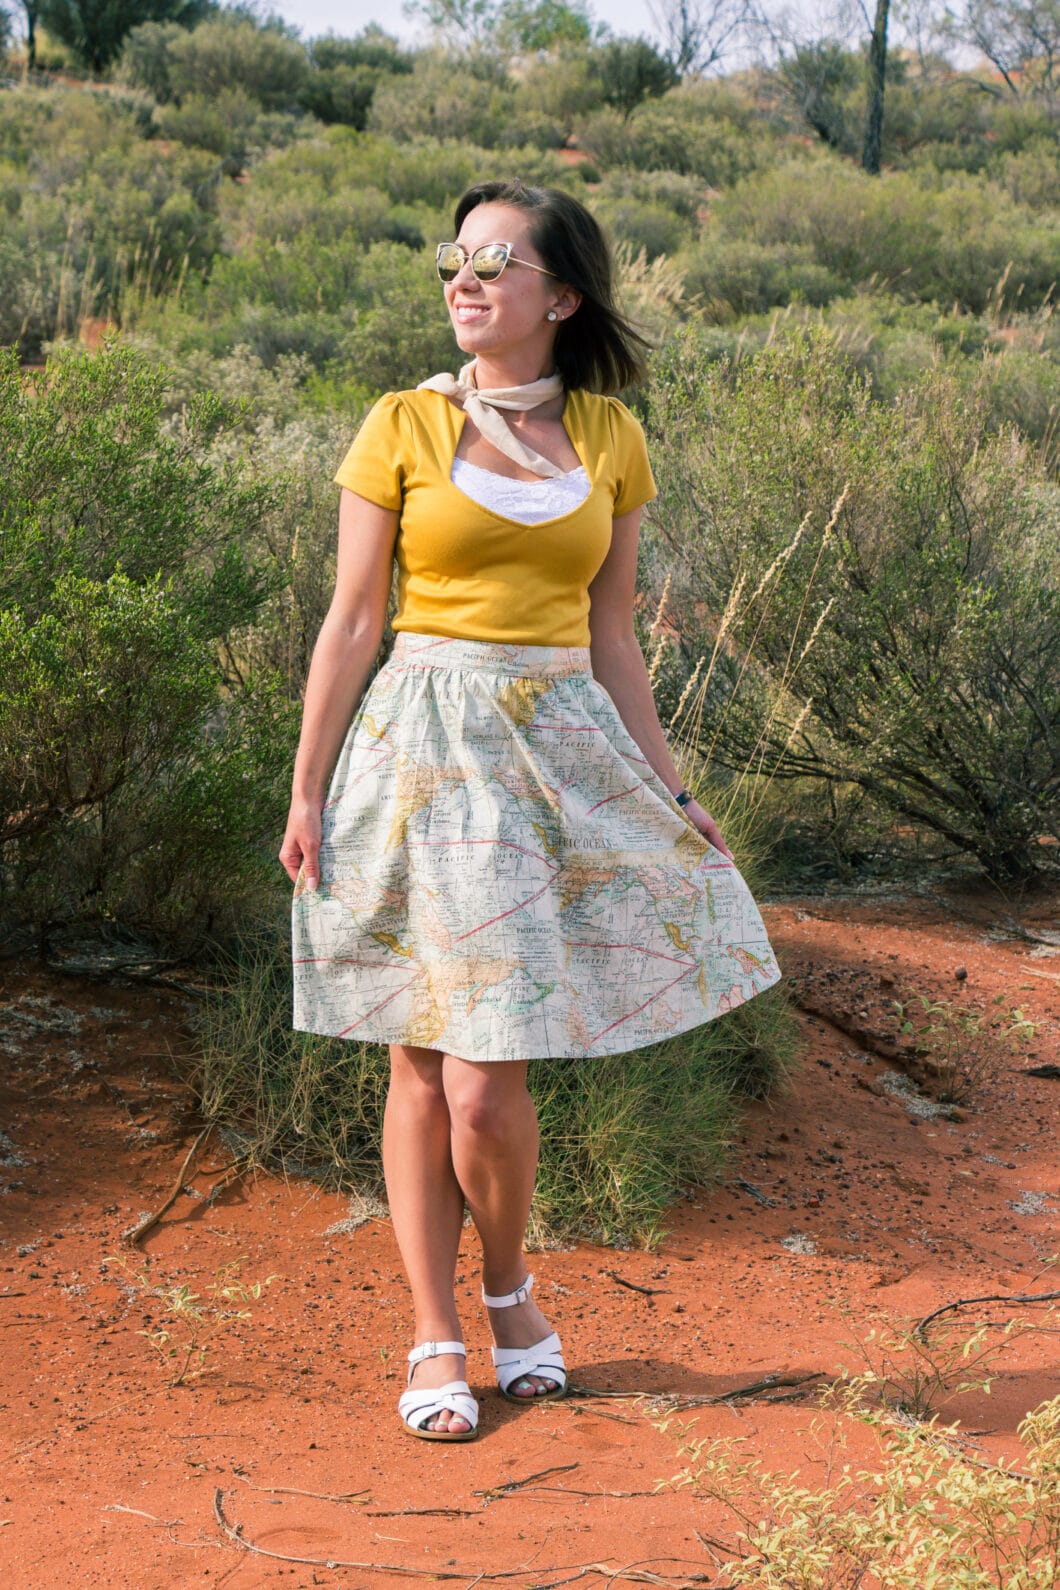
426	1206
494	1156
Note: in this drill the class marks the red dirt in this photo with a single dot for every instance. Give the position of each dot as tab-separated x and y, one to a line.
109	1477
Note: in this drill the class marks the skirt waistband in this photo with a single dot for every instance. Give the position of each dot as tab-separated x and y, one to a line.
413	649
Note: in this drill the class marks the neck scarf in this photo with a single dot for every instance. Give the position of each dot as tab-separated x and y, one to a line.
482	404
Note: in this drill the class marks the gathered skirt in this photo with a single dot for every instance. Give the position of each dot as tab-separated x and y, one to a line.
504	876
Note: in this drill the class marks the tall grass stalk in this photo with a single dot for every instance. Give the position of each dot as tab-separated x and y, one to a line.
693	749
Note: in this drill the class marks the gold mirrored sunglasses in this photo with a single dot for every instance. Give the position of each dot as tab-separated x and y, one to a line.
488	261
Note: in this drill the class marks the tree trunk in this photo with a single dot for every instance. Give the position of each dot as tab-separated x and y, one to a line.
31	35
870	155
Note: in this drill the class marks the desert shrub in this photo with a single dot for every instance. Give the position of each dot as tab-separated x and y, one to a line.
909	645
443	100
276	291
346	72
145	61
949	243
621	1139
560	89
1031	176
925	1516
233	126
143	779
92	210
702	129
651	227
227	54
731	278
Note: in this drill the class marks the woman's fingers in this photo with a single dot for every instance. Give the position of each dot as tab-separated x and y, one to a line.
300	853
311	862
708	827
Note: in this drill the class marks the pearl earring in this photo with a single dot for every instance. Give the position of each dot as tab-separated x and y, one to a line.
552	315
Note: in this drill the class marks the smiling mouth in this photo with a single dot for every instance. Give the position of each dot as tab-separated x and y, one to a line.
470	311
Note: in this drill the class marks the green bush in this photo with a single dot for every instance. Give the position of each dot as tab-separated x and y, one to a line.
225	54
143	778
651	227
145	60
443	100
703	129
731	277
226	123
950	244
920	633
91	211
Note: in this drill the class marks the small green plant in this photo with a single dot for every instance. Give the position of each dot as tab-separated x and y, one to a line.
193	1324
927	1518
910	1368
960	1049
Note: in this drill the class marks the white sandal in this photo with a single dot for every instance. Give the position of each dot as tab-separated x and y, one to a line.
417	1408
544	1358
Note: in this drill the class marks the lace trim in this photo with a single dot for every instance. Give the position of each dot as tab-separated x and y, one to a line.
526	501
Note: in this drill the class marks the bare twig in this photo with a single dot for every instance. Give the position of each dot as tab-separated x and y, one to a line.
137	1512
507	1486
677	1399
648	1291
136	1232
289	1490
426	1512
993	1297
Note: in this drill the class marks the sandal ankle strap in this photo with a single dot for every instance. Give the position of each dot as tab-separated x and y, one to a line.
432	1350
509	1299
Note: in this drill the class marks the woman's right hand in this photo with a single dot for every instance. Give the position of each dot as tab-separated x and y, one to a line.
301	842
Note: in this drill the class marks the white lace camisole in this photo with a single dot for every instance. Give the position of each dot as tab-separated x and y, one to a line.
526	501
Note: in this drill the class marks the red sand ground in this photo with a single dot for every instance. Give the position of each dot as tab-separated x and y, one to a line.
109	1477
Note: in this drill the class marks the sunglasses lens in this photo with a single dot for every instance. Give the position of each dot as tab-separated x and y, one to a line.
450	259
488	261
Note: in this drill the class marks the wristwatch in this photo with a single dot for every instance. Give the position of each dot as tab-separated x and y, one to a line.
683	797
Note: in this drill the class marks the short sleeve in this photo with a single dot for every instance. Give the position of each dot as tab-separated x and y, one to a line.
377	462
634	482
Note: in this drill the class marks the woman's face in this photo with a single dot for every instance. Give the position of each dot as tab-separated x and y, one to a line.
510	313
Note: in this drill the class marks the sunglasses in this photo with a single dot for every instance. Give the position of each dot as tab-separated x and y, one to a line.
488	262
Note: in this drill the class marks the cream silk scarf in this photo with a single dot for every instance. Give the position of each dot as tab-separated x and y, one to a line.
482	404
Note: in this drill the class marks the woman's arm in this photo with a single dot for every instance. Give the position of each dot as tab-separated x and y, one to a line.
618	663
346	648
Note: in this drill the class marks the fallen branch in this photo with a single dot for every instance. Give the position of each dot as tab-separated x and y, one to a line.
426	1512
506	1488
289	1490
578	1570
134	1233
993	1297
679	1400
137	1512
631	1286
749	1187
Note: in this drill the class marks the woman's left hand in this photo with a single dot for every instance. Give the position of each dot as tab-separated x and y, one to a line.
707	827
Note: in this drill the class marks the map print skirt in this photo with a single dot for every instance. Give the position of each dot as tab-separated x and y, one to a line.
505	877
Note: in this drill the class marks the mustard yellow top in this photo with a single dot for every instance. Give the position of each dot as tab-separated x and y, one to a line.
468	572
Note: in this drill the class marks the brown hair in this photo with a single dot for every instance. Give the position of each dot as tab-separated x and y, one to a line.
596	348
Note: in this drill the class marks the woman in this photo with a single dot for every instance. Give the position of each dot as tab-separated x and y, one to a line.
495	859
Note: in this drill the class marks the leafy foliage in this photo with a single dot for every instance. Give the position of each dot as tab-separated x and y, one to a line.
137	771
918	625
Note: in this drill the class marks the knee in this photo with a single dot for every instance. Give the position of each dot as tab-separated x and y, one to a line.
479	1108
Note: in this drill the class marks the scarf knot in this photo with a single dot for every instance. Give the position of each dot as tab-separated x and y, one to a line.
483	403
